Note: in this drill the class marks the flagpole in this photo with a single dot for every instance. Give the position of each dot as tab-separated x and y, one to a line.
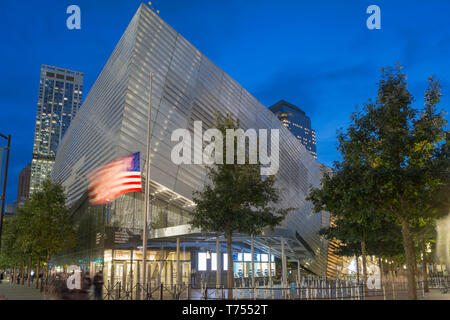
107	212
147	191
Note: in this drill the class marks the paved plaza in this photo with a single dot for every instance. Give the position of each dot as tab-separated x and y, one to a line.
19	292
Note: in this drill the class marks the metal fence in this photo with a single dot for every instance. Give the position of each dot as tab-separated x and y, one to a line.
120	291
321	291
305	290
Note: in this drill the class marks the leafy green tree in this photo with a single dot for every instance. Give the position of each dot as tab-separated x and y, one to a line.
26	237
340	194
237	199
9	255
45	228
55	230
401	156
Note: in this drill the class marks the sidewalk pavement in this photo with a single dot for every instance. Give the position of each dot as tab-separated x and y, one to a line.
435	294
10	291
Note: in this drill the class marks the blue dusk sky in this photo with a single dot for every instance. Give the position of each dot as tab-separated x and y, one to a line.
318	55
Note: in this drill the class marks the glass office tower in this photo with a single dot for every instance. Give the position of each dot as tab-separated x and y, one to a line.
297	122
60	93
187	86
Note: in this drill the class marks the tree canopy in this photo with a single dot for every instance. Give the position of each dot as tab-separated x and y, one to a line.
236	198
41	227
395	164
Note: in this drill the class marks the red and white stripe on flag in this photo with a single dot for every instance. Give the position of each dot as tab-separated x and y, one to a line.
120	176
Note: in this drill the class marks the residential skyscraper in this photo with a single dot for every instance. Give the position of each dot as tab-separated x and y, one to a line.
297	122
23	188
60	94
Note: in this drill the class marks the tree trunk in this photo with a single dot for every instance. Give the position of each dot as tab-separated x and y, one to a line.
230	267
47	268
357	269
29	271
23	273
38	271
364	260
410	259
12	277
424	266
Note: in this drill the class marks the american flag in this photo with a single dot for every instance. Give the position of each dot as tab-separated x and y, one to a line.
115	178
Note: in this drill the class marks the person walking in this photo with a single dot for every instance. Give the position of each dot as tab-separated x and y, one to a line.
445	277
86	285
98	286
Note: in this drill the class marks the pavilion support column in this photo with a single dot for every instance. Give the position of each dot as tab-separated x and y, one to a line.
283	264
253	262
270	266
218	266
161	266
298	271
178	265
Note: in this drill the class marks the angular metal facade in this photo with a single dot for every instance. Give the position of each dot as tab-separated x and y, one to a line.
187	87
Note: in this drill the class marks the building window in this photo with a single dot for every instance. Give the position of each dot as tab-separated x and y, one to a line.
213	261
202	261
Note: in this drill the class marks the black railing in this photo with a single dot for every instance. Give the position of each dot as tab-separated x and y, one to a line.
120	291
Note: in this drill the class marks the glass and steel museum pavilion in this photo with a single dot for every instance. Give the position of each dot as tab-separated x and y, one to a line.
112	123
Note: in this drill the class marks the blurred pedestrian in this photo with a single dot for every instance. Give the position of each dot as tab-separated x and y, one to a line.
445	277
86	285
98	286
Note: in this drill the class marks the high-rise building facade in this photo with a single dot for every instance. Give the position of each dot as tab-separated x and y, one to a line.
60	95
187	87
297	122
23	187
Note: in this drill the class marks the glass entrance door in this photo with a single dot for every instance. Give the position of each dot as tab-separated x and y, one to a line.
119	272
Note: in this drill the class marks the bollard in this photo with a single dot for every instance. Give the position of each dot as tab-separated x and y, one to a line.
161	292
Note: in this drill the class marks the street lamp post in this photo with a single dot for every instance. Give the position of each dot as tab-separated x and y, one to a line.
2	213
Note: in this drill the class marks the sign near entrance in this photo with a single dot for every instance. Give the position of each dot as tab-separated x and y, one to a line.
74	281
121	237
